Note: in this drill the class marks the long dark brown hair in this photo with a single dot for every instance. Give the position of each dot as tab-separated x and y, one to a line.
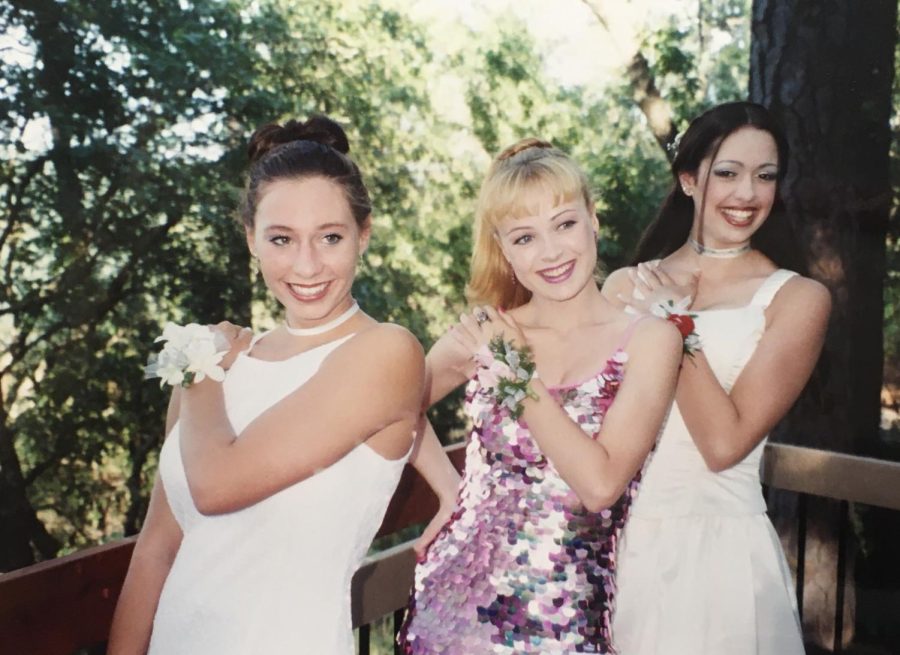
670	229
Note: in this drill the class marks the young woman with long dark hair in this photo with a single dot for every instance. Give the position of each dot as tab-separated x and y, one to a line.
701	569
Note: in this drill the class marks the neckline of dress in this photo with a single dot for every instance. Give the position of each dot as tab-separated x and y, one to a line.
607	364
245	354
750	303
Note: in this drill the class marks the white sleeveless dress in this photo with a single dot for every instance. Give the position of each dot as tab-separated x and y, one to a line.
701	570
273	578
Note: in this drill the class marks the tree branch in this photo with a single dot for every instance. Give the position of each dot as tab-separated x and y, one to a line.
644	91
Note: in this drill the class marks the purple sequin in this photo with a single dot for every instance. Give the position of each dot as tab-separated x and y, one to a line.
521	567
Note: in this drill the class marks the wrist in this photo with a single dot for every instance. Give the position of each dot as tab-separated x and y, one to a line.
202	386
505	373
192	353
677	315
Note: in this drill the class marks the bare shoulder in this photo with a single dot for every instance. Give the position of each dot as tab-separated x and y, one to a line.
390	341
656	335
390	351
803	296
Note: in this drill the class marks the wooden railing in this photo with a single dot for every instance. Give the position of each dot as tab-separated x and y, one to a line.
63	605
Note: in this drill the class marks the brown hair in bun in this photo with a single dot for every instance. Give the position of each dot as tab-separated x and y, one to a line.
519	146
315	147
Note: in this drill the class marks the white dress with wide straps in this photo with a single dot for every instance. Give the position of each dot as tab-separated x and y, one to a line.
272	578
701	570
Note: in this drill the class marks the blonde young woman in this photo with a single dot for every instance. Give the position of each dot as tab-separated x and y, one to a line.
273	483
701	568
524	557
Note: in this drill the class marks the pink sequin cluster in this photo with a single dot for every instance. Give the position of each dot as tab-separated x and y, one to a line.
521	567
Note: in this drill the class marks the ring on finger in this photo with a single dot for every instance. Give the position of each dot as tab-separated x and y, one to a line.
482	317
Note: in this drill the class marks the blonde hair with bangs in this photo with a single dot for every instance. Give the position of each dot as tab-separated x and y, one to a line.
522	167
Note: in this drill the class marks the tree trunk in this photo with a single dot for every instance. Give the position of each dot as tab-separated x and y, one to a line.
23	531
825	68
622	27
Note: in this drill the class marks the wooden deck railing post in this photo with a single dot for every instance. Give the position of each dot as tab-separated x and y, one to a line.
843	520
801	551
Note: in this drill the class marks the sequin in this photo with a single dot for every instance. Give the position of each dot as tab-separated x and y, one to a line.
521	567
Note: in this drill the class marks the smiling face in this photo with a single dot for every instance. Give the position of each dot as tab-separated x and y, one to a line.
308	244
740	191
553	250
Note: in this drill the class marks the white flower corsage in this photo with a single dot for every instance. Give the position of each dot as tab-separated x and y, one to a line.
505	372
192	352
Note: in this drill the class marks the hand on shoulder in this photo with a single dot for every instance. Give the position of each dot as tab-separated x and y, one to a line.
651	284
618	283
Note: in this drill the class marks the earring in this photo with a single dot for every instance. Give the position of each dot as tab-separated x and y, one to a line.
688	192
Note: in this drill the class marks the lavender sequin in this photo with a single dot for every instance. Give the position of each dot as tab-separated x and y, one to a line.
521	567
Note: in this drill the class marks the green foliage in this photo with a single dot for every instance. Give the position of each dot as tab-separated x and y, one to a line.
105	234
124	218
704	61
892	283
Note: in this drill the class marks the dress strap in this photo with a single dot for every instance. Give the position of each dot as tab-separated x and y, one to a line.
629	330
772	284
254	340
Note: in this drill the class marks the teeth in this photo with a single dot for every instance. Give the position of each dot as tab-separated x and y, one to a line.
308	291
559	270
739	214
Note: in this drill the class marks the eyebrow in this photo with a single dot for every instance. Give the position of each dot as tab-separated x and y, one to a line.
278	228
323	226
740	163
552	218
561	212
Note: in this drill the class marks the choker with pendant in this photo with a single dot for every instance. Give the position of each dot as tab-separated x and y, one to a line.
720	253
325	327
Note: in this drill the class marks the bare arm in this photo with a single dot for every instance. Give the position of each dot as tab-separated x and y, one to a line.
151	561
432	463
726	427
450	364
599	470
370	385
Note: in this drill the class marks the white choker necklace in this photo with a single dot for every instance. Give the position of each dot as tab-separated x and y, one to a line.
719	253
325	327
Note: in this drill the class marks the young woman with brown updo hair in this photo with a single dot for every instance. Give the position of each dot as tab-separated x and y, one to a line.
273	483
523	560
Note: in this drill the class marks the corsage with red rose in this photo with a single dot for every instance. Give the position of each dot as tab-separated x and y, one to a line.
677	313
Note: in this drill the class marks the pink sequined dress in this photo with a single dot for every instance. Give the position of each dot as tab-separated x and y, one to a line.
522	566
